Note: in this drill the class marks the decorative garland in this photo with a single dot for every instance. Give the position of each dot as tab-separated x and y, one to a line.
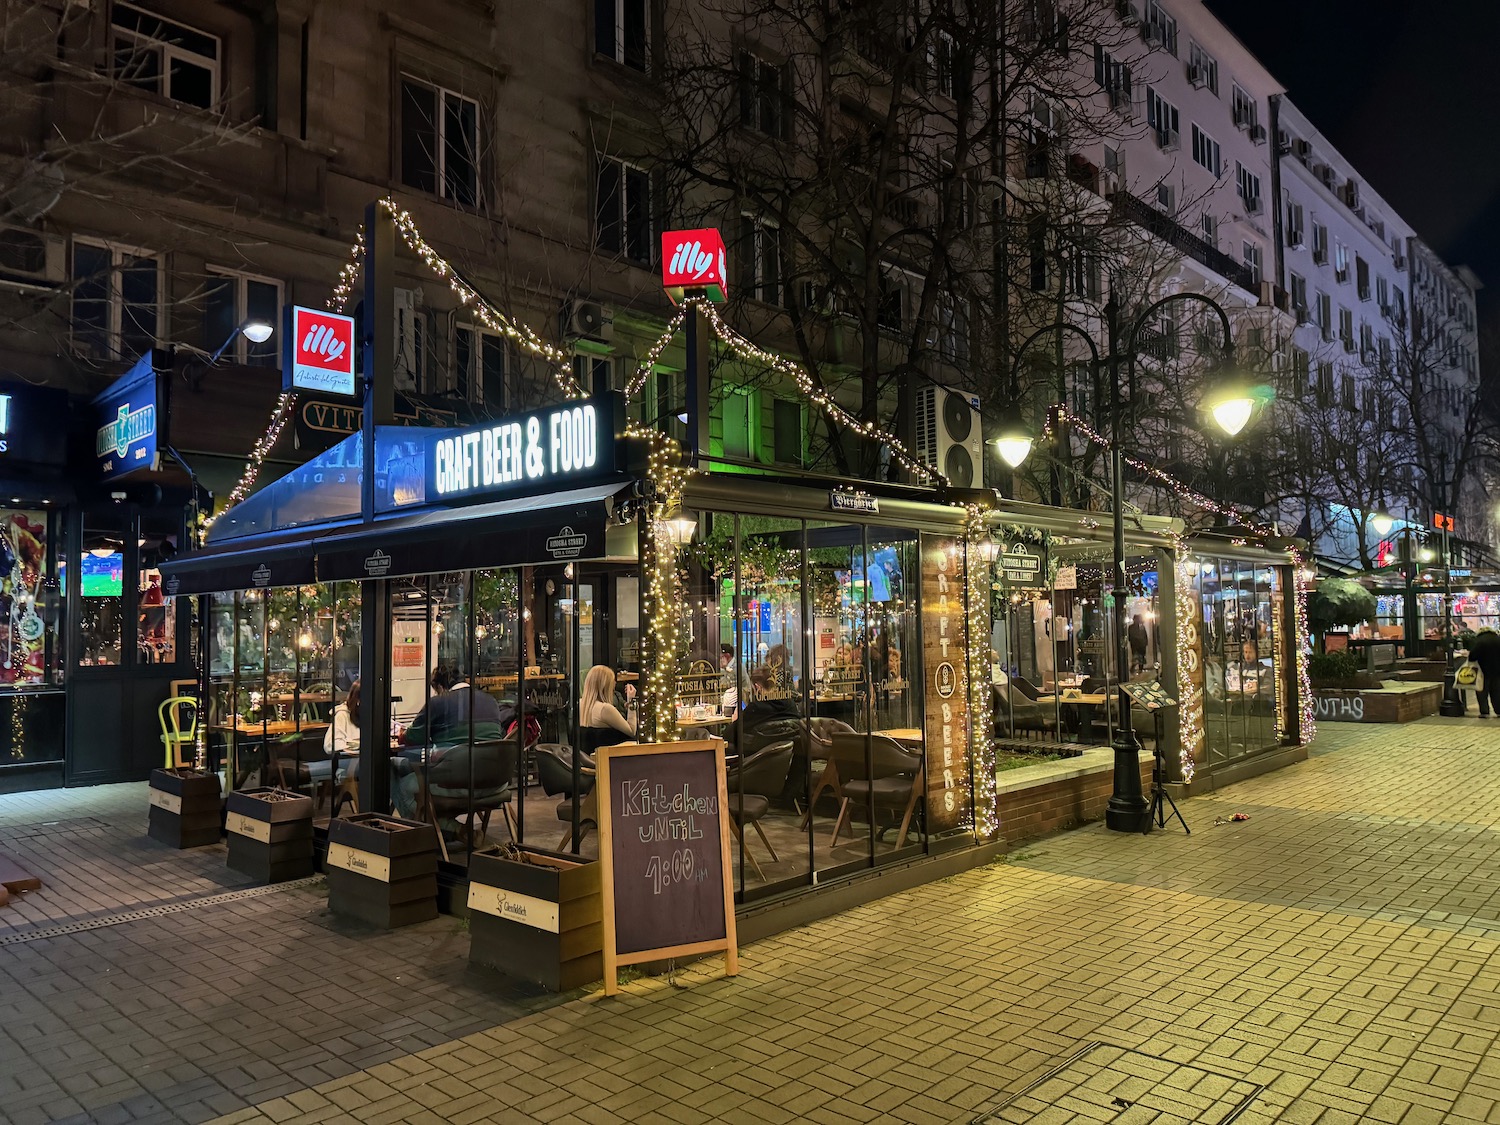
979	551
661	642
745	350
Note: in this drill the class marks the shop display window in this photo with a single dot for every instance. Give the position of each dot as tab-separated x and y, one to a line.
30	601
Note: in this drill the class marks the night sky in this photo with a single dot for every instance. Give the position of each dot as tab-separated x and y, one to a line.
1408	93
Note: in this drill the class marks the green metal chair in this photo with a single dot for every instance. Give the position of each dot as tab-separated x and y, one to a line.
178	740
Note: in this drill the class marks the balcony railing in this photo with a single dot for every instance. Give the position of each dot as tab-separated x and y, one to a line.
1174	234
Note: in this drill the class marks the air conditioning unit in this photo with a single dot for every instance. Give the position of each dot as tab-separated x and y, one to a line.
1301	149
1168	141
1296	238
31	257
1320	256
409	354
1197	75
1326	174
587	320
1252	205
1150	32
1258	134
950	436
1119	99
1350	195
1400	261
1125	10
1283	142
1304	314
1109	183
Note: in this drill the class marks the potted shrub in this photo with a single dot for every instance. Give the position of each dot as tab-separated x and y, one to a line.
1338	603
270	834
186	810
382	870
536	915
1338	669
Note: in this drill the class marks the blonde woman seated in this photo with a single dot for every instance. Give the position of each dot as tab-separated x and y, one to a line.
599	720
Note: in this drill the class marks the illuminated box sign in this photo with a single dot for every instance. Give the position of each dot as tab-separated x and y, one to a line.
33	424
694	259
318	352
128	437
557	447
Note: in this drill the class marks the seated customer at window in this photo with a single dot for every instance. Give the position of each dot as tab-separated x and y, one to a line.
767	704
599	720
454	716
449	713
342	736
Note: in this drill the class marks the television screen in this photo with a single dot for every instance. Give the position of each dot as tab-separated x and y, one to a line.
103	576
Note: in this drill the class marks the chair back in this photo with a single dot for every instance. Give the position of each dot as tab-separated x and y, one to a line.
763	773
772	731
823	730
1025	687
490	764
887	757
554	765
171	716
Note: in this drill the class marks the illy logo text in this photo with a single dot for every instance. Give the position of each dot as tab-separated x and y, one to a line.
690	257
321	340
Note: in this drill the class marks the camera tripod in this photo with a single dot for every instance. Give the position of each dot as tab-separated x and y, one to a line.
1156	815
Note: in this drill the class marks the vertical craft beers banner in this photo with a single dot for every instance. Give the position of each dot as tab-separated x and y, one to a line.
945	666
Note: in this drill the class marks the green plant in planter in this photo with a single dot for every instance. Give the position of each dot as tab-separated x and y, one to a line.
1333	666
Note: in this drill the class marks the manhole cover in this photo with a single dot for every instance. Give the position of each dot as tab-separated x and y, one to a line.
1105	1083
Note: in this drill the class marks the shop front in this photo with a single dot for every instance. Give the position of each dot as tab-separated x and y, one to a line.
1210	626
549	584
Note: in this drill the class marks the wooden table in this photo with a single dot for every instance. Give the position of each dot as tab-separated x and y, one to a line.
275	727
711	721
1094	699
910	736
304	697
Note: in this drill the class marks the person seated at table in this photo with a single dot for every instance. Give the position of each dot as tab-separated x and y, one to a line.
342	736
600	722
453	709
766	704
444	722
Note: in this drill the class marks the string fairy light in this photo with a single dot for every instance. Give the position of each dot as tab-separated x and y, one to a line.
749	352
978	554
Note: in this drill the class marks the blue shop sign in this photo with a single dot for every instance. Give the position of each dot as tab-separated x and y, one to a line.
131	419
33	425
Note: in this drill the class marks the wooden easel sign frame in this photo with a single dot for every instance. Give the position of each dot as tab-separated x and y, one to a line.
664	845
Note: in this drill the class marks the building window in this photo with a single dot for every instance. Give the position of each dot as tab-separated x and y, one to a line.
232	299
762	260
1325	315
1346	328
763	95
1203	69
1036	247
1320	243
1243	108
1252	261
1362	277
786	434
1295	224
439	142
1162	26
1347	393
411	339
1083	274
1298	289
1166	198
952	316
621	32
1206	150
942	64
480	362
1211	231
1248	185
1161	115
116	301
165	57
1113	77
1324	388
622	210
896	292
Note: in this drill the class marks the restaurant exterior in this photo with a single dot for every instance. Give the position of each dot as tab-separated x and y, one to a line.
837	639
1212	620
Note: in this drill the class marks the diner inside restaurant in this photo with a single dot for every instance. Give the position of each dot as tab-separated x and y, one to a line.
805	642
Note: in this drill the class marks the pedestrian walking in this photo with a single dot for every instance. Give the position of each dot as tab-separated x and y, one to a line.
1485	651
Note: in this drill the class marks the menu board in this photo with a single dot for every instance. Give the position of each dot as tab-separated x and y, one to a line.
664	841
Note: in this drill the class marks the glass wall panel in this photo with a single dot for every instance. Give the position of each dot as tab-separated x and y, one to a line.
101	586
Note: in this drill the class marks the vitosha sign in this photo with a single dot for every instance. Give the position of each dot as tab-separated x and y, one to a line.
527	453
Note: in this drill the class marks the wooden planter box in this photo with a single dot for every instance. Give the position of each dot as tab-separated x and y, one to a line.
541	921
270	834
382	870
186	810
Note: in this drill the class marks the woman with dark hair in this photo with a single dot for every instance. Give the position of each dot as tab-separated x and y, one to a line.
340	742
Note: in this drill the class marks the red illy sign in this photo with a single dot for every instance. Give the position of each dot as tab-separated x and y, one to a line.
319	351
694	259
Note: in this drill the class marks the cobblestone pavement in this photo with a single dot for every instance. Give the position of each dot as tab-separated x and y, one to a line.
1332	959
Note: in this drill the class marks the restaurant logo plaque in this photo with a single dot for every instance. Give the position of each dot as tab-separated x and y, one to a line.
378	565
944	631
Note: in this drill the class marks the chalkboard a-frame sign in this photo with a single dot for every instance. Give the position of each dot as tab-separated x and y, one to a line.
664	842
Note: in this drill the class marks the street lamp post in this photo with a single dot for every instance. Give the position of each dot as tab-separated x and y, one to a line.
1127	810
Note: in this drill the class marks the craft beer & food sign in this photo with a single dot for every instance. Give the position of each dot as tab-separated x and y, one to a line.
557	447
319	352
694	259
